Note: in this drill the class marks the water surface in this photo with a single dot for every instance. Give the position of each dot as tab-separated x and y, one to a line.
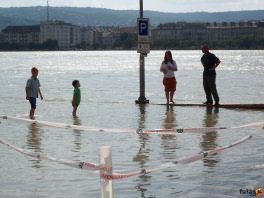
109	86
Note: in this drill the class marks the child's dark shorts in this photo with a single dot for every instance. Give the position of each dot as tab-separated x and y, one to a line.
33	102
75	104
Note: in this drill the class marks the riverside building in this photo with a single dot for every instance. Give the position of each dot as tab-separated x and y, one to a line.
198	33
22	35
67	35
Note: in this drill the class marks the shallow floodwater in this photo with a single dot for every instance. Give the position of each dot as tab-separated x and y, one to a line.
109	86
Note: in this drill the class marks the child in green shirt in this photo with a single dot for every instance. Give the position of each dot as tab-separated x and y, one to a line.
76	99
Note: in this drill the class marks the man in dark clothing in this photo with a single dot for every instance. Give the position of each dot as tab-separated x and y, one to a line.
210	62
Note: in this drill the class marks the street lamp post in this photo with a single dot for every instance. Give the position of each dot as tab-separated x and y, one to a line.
142	99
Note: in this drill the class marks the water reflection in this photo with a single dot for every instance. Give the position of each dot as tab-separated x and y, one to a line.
143	153
170	118
33	142
77	135
209	139
168	141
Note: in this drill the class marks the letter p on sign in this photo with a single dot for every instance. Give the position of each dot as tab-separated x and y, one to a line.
143	27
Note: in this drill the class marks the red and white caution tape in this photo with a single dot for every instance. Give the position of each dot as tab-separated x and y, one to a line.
181	130
259	166
75	164
185	160
129	130
201	129
114	176
67	126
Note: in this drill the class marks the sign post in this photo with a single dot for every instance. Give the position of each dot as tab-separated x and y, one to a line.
143	36
143	49
106	162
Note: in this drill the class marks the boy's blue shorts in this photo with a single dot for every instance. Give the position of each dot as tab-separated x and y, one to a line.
33	102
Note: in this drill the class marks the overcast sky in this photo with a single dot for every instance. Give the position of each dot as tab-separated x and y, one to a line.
157	5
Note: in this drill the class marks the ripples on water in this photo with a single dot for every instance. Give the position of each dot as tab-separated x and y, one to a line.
109	85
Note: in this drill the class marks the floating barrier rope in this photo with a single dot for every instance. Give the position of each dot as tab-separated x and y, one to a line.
199	130
259	166
67	126
129	130
75	164
114	176
185	160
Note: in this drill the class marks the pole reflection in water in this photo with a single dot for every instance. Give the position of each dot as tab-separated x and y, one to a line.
33	142
209	139
77	135
143	154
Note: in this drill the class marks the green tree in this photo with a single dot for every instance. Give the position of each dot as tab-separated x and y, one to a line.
9	46
126	41
246	42
34	46
2	38
50	45
83	45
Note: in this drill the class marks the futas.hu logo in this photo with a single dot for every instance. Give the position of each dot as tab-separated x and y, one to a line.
256	193
259	192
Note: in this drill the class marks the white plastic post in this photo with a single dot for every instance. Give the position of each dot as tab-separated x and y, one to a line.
106	161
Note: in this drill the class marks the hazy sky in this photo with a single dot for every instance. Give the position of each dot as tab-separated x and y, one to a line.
158	5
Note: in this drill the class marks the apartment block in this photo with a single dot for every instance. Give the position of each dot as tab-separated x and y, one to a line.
67	35
200	32
22	34
88	35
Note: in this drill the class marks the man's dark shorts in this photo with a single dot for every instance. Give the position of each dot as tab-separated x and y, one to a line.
33	102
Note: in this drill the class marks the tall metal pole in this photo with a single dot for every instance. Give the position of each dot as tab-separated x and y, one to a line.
142	99
141	9
47	11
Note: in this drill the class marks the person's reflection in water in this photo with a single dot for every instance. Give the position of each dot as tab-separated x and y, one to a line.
143	154
77	135
33	142
170	118
168	141
209	139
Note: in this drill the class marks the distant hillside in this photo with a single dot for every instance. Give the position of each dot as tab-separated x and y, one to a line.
108	17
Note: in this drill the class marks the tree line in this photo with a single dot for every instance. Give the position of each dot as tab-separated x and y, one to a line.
128	41
47	45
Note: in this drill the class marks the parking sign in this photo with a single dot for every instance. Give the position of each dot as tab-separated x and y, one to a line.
143	30
143	35
143	27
